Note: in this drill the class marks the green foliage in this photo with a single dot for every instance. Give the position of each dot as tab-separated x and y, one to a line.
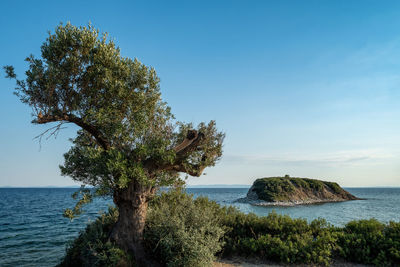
181	231
92	247
128	134
279	238
273	189
282	239
371	242
86	197
334	187
82	78
281	188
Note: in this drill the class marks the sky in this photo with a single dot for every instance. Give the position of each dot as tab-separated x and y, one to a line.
305	88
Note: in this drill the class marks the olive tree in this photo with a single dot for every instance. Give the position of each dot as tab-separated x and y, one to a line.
128	143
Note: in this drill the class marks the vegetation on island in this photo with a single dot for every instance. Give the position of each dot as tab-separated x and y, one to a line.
128	143
291	189
182	231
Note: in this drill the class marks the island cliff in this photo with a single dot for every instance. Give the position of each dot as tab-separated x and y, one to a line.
289	191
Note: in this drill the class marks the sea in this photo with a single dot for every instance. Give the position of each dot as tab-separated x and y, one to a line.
33	231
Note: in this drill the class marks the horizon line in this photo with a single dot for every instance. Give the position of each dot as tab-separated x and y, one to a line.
192	186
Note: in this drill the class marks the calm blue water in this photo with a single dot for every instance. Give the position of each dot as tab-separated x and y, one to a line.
34	233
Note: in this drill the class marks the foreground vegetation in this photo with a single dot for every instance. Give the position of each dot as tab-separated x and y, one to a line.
182	231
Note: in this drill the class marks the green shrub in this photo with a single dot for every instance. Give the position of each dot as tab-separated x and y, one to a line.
278	238
371	242
283	239
334	187
181	231
92	248
273	189
392	243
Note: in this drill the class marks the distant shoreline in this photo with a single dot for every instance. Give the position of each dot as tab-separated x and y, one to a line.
189	186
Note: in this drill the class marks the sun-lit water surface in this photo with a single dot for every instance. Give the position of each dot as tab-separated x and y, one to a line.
34	233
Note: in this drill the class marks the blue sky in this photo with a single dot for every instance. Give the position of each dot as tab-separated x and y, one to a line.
306	88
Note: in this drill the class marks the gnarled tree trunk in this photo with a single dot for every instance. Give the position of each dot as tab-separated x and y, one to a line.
127	233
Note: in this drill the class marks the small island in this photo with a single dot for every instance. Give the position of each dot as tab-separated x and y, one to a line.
290	191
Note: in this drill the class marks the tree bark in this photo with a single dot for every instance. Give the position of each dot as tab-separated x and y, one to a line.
127	233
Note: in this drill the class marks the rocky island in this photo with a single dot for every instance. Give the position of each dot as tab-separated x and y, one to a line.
290	191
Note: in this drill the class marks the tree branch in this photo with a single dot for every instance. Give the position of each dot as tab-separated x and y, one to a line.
182	150
190	137
193	170
189	144
42	119
54	132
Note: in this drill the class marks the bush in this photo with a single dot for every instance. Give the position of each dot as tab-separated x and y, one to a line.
371	242
283	239
92	247
181	231
279	238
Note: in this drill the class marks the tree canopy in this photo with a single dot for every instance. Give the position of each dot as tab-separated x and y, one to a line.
127	132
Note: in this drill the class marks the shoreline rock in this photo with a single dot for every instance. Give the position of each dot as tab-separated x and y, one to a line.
288	203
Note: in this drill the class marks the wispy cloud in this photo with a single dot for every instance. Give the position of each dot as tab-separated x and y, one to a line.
338	158
376	54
